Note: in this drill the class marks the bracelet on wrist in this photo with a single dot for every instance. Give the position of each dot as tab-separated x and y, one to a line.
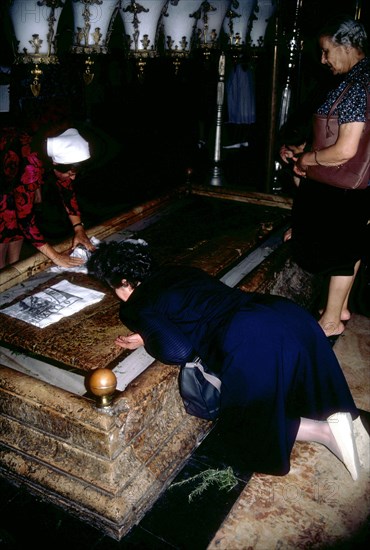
77	224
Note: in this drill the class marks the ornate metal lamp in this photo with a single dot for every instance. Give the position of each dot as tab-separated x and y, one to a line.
178	28
34	24
92	28
140	20
266	9
209	18
238	23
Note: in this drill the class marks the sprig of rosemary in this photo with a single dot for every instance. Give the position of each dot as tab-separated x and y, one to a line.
224	479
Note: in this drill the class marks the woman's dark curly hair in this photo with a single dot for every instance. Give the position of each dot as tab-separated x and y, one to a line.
111	262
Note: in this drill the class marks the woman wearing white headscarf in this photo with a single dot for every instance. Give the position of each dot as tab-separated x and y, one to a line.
21	177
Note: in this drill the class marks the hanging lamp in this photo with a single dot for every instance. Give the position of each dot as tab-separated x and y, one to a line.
35	24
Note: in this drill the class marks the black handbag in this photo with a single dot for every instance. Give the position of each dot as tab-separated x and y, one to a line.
353	174
200	390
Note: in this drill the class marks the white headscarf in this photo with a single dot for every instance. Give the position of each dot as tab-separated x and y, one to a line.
68	148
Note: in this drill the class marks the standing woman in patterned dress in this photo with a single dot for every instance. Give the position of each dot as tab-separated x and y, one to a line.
22	168
329	223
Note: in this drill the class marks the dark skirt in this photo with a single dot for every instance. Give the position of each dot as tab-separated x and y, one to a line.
329	227
278	367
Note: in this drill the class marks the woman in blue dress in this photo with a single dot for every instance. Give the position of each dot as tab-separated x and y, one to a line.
281	381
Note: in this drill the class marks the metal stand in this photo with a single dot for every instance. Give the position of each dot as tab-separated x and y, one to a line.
217	178
293	63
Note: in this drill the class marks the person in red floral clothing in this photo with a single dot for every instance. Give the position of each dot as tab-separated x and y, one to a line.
21	177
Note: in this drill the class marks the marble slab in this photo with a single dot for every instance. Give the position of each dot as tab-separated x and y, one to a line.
212	233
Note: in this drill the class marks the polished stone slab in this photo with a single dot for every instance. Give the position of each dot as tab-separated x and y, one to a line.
208	231
106	466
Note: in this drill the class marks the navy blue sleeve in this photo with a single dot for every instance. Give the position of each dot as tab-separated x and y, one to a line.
162	339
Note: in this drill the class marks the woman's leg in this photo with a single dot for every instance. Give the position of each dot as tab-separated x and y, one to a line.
14	251
346	314
319	432
10	252
336	309
3	254
337	435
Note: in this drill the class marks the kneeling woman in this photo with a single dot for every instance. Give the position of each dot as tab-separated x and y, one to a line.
281	381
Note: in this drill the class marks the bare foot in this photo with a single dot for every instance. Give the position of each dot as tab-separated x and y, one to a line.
331	328
344	316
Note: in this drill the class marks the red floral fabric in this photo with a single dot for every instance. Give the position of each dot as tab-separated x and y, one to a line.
21	175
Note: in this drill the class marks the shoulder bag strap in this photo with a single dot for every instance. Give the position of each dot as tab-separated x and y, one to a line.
339	99
329	131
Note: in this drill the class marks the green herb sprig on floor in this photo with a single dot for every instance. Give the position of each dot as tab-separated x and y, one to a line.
225	480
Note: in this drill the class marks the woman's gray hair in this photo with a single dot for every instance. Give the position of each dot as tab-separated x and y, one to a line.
345	31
